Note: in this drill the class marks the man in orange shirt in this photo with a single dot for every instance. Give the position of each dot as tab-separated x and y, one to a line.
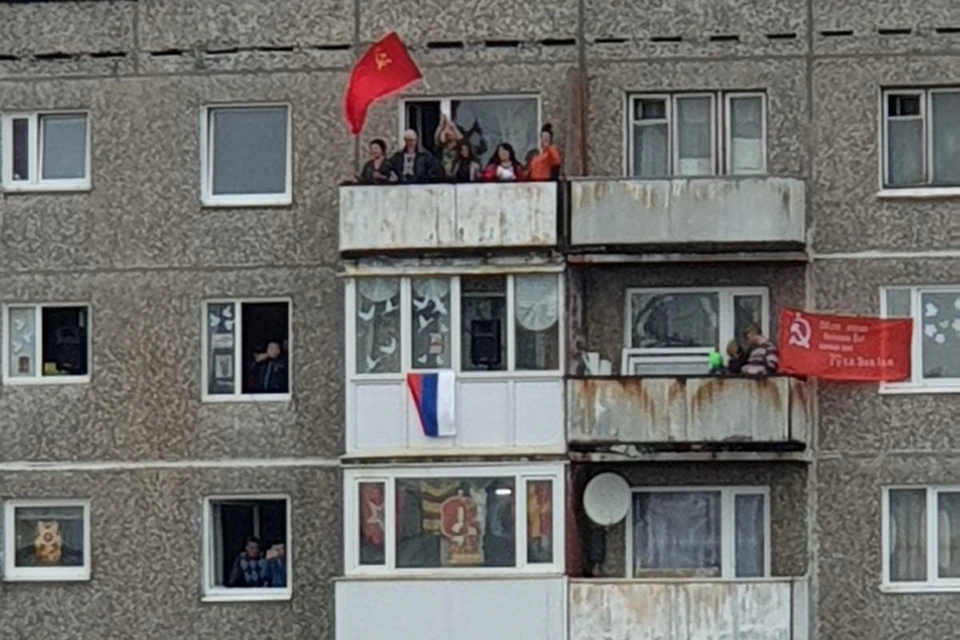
546	164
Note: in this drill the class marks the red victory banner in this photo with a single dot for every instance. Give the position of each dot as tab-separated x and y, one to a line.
845	348
384	69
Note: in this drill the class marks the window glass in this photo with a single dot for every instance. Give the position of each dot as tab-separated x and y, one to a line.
746	310
908	535
539	521
23	342
905	140
651	135
64	146
676	533
537	306
250	543
21	149
948	525
940	324
430	323
899	304
694	136
746	135
675	320
64	344
49	536
455	522
945	116
372	532
264	340
249	152
221	323
749	513
378	325
483	311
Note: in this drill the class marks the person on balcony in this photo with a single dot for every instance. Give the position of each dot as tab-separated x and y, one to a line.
503	166
546	164
411	164
465	166
448	139
763	358
377	169
736	357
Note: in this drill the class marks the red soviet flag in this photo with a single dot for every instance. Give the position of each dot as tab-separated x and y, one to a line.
845	347
384	69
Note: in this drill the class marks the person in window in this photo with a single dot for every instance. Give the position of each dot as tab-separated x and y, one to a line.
249	569
448	139
762	356
503	166
736	357
377	168
465	167
277	566
269	371
410	164
546	164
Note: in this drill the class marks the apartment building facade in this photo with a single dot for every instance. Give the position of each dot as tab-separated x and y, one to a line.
170	208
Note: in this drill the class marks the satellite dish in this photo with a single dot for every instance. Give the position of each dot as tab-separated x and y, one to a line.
607	499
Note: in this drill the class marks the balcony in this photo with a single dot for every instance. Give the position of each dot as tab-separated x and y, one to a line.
769	609
446	217
675	413
710	215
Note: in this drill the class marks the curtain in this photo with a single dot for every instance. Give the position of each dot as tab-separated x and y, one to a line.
430	323
948	531
694	137
650	148
677	533
489	123
905	151
537	312
940	318
675	320
378	325
22	342
746	143
908	535
750	536
946	138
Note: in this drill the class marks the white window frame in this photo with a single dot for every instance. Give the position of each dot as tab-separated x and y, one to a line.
406	348
207	197
917	383
682	354
446	108
35	151
721	141
212	593
728	542
521	473
12	573
927	189
39	378
932	584
238	395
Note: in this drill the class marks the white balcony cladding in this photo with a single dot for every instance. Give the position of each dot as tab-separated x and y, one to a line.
687	410
704	213
448	217
768	609
476	609
417	324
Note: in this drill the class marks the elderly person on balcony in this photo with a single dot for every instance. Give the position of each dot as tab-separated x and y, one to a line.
413	165
377	169
763	358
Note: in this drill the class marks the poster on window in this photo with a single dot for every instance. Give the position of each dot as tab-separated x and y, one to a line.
845	348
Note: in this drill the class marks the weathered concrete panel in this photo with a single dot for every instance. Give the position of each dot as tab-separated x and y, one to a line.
682	211
66	27
691	410
445	216
686	610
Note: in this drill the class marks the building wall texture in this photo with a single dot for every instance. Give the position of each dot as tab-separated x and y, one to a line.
144	253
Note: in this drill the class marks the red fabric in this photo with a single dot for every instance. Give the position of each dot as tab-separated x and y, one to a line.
490	174
542	166
371	502
844	348
384	69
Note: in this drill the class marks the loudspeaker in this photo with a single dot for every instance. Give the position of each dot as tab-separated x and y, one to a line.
485	343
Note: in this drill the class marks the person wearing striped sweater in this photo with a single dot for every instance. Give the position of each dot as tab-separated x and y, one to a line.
763	358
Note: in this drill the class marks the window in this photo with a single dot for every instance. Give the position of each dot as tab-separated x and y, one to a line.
416	520
45	151
921	538
47	540
247	350
46	343
936	333
676	135
921	131
246	156
472	324
247	548
671	331
703	532
485	122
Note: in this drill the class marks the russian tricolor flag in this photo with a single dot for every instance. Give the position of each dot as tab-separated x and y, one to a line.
433	394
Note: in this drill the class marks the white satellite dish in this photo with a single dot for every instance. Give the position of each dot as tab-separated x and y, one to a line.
606	499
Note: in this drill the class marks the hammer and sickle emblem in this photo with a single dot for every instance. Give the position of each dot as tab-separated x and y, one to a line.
800	332
382	60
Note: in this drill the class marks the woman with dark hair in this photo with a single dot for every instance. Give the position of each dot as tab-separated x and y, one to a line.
503	166
377	169
546	164
465	165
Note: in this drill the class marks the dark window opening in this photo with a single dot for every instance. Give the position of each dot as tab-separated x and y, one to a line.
265	345
64	341
250	543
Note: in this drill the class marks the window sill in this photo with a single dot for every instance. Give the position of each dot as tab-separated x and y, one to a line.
45	380
919	192
913	389
47	575
919	588
435	575
69	186
249	397
234	202
247	595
